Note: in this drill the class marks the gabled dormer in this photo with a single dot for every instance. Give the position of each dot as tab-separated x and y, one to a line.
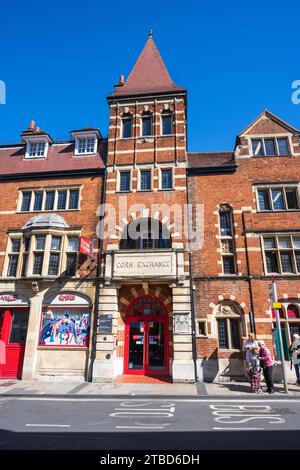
268	136
86	141
37	142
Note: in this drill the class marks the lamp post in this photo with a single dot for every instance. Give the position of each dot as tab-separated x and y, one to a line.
276	306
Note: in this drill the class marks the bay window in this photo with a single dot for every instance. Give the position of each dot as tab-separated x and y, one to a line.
42	254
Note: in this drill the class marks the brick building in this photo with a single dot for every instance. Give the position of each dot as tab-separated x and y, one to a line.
251	236
49	196
185	244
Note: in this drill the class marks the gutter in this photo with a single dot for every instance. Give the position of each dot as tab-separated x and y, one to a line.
52	174
97	291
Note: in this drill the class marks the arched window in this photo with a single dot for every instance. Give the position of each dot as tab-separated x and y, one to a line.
144	234
146	305
228	318
147	124
126	125
166	123
290	324
292	311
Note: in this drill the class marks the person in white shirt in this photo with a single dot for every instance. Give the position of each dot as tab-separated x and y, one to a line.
295	355
248	346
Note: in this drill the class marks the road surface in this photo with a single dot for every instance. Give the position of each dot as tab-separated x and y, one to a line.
62	423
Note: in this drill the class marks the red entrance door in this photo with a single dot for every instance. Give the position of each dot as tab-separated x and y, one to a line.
13	331
146	338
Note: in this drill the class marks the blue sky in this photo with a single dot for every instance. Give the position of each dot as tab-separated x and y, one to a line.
59	60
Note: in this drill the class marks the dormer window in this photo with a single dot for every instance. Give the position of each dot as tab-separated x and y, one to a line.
86	146
37	142
37	149
86	141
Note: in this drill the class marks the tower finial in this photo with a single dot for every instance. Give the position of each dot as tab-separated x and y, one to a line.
151	33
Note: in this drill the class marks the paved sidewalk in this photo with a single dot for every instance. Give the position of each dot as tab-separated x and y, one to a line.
83	389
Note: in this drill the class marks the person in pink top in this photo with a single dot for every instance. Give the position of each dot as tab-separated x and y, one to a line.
267	365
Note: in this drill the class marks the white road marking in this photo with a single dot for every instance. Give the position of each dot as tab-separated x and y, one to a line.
238	414
238	429
179	400
139	427
125	414
36	425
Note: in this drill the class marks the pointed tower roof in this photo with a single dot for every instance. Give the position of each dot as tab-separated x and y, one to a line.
149	75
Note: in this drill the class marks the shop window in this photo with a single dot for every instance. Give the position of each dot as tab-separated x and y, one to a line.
292	311
290	324
69	326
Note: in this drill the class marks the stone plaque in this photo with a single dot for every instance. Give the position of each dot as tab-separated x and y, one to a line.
146	264
182	323
105	324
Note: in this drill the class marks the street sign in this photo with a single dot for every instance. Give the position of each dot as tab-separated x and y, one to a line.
276	305
85	245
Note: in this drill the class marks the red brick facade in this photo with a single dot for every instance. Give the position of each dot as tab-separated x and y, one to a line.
212	294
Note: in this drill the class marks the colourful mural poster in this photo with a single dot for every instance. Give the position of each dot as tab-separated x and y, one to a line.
65	327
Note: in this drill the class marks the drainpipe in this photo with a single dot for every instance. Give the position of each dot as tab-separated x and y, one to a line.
192	292
248	272
98	273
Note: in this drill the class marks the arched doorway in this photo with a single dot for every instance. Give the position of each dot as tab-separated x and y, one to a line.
146	337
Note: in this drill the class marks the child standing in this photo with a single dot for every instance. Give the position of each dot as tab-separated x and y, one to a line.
255	370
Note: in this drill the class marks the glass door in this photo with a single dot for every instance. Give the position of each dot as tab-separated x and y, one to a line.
136	346
156	346
146	337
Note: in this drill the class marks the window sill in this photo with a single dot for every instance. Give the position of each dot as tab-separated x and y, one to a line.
273	156
88	154
229	350
144	190
166	189
63	347
266	211
44	211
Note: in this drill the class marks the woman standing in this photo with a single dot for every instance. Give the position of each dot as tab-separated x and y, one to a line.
295	359
248	346
267	365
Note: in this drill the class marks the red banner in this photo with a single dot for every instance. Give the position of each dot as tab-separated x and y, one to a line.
85	246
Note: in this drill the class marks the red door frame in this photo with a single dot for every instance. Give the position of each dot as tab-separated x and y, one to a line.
14	352
146	319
